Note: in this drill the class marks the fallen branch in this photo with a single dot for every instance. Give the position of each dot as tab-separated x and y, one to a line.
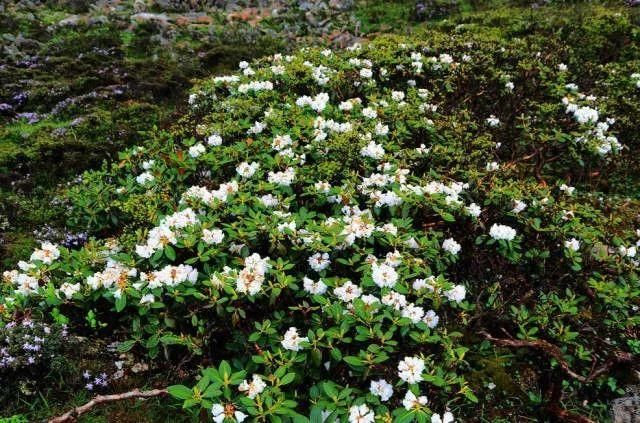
72	415
555	352
554	407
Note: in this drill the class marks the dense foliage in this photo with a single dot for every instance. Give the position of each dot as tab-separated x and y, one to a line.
425	228
82	80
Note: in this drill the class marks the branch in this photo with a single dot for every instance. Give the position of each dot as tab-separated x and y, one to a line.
71	415
556	352
554	395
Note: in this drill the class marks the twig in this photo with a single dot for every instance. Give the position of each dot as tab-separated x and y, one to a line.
556	352
72	415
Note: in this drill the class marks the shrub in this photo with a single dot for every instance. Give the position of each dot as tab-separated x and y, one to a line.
360	235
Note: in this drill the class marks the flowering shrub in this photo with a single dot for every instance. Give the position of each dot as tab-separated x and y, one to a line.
29	349
354	236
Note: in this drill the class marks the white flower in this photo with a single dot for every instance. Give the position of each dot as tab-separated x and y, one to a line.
509	86
346	106
278	69
627	251
269	200
214	236
567	189
214	140
413	312
410	369
492	166
373	150
381	129
347	292
381	388
431	319
247	170
280	142
519	206
292	340
447	417
493	121
361	414
322	186
217	412
319	261
457	293
383	275
474	210
451	246
47	253
257	128
144	177
411	402
369	299
586	115
253	388
69	289
397	95
370	113
395	300
220	413
285	178
562	67
315	288
250	279
147	299
572	244
366	73
255	86
504	232
197	150
317	103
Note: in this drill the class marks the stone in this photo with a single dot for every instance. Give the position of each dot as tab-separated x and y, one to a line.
159	18
72	21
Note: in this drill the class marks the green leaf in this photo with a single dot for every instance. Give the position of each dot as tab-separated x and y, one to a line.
224	369
126	345
180	392
121	302
316	415
287	379
353	361
170	252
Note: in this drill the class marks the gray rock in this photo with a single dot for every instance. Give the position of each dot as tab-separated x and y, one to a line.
98	20
159	18
72	21
139	6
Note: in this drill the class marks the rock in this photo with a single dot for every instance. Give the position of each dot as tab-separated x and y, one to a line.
157	18
98	20
73	21
341	5
343	39
139	6
433	9
251	15
194	20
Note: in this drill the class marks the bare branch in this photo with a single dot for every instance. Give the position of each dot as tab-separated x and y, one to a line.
72	415
555	352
